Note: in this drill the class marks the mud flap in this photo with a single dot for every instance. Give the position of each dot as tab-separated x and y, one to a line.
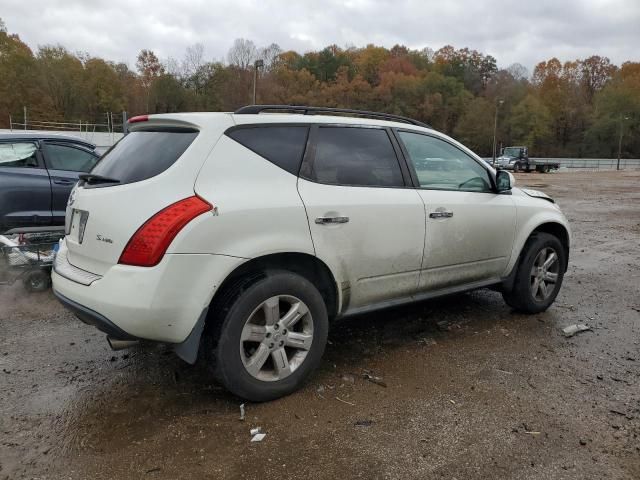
188	350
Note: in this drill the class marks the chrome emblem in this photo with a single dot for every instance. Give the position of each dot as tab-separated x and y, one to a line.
72	197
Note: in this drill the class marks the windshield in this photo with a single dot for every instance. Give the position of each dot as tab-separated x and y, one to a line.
511	152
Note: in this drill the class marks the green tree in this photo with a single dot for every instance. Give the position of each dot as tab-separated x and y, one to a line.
475	128
617	106
63	80
530	125
20	84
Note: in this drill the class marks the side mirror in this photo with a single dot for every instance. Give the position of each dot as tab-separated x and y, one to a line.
504	181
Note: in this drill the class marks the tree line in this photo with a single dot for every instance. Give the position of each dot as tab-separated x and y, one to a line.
572	109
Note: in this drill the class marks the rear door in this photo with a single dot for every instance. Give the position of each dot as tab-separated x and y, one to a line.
64	162
365	221
470	228
25	191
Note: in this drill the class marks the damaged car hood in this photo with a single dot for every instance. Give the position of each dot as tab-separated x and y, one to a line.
537	194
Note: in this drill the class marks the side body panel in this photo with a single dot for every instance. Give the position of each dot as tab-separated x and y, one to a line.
258	208
531	213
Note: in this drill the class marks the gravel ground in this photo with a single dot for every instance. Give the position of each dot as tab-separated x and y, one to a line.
469	389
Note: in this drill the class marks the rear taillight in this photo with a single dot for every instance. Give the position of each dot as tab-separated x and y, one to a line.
148	245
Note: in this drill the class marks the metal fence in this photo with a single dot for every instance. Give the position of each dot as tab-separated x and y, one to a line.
594	163
591	164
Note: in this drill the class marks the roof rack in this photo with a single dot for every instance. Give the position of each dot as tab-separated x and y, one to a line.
306	110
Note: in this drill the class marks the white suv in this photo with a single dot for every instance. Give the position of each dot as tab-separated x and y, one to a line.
240	236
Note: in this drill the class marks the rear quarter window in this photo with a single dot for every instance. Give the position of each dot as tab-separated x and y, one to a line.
143	154
281	145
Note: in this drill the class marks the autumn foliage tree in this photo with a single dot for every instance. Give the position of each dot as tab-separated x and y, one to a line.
570	108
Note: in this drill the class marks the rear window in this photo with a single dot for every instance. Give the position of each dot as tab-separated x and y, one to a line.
281	145
143	154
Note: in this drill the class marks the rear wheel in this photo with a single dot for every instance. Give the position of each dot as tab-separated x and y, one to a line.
539	276
37	281
271	337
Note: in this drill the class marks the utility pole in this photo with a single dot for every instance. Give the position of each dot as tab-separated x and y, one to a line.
495	128
620	140
24	114
257	64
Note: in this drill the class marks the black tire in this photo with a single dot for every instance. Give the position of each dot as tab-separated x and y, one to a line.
521	297
516	167
223	338
36	281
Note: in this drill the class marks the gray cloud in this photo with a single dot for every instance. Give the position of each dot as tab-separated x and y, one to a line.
512	31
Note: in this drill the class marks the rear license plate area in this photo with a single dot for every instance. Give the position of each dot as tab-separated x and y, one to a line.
78	224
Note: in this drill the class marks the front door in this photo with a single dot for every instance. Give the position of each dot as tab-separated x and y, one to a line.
469	228
365	221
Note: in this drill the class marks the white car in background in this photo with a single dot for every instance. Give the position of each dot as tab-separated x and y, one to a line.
241	236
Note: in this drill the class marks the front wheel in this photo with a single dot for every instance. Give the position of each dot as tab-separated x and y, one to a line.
539	276
272	336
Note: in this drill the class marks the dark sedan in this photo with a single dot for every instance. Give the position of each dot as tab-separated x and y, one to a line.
37	173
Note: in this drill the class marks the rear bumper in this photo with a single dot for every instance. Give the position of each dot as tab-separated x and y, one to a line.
90	317
161	303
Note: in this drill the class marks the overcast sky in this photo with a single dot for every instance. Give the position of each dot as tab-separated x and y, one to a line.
524	31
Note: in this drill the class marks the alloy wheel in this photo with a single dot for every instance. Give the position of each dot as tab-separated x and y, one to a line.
276	338
544	274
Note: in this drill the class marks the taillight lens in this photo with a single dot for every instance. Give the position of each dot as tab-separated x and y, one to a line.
149	244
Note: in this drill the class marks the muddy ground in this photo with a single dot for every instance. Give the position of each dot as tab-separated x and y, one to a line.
493	394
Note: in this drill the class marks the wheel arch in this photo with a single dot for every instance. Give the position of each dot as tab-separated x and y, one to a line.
552	227
560	232
303	264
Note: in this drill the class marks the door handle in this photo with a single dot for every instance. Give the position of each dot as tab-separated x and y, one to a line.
442	214
331	220
61	181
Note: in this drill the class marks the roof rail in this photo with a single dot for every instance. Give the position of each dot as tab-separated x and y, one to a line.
306	110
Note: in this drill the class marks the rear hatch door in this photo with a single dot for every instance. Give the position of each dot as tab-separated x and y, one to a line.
149	169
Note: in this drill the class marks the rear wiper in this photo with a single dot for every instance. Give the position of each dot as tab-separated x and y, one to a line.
91	178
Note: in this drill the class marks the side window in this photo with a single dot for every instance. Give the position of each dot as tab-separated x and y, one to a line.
440	165
66	157
281	145
18	155
355	156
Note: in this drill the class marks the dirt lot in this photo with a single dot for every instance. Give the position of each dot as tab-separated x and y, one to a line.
492	394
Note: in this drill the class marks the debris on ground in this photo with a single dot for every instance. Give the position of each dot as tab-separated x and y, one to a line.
374	379
348	378
242	412
257	435
571	330
429	342
444	325
344	401
363	423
